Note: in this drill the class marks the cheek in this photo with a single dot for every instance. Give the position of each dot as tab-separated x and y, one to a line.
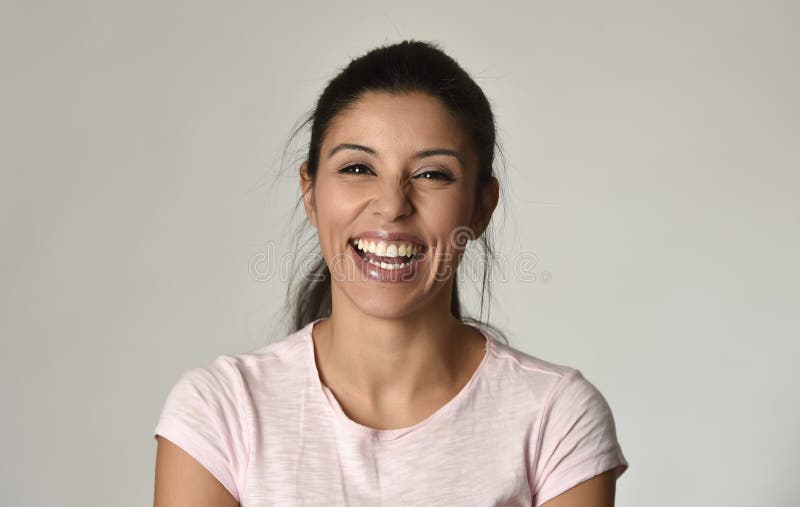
446	213
337	209
333	193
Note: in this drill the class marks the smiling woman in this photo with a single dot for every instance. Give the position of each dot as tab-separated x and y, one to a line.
383	392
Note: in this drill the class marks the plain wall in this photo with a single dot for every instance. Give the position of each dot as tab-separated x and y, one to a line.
651	183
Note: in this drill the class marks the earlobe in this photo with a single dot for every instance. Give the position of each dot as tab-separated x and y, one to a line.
477	227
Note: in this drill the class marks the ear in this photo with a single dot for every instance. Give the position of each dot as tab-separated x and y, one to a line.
308	194
489	196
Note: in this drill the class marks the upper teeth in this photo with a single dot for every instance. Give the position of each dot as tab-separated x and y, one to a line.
387	248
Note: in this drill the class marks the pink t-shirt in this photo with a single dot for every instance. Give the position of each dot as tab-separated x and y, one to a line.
520	432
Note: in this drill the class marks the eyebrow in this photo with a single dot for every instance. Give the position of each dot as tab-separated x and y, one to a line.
420	154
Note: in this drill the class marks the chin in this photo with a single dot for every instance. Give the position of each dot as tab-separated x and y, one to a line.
385	305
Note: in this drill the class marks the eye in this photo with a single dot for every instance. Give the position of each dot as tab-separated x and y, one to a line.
434	175
351	169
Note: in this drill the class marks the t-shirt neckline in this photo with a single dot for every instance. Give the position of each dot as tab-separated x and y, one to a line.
394	433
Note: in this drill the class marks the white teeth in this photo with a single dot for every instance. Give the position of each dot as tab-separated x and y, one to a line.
390	267
387	249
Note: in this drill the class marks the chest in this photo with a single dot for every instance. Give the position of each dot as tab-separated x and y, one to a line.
314	460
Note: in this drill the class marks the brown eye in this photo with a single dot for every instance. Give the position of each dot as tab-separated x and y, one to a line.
434	175
355	169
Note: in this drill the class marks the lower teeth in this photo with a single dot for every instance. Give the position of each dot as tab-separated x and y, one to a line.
390	267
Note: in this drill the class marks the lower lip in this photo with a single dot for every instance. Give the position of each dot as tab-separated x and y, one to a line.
377	273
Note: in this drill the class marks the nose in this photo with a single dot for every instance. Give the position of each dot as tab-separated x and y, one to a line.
392	200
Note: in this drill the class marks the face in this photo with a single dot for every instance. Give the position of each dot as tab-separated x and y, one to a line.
395	169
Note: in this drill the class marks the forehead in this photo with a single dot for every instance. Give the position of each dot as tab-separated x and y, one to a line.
410	120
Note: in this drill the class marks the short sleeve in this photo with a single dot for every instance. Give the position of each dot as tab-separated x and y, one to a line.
203	414
577	438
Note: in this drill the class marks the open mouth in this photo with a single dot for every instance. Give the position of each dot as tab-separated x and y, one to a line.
391	255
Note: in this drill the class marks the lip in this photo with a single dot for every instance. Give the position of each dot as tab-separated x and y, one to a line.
392	236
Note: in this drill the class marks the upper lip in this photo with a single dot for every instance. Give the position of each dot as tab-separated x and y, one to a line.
391	236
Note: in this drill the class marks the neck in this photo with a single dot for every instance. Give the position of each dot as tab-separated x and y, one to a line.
387	362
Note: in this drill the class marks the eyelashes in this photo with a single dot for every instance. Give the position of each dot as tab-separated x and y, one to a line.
361	169
350	169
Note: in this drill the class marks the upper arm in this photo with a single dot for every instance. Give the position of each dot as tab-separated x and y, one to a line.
181	481
203	438
598	491
577	446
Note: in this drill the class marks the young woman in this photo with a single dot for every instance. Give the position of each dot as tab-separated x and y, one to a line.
383	394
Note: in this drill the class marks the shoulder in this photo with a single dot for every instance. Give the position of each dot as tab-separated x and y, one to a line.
558	387
533	375
280	359
525	362
230	381
556	398
269	375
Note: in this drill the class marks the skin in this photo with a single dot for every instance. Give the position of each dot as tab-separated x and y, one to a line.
181	481
598	491
392	354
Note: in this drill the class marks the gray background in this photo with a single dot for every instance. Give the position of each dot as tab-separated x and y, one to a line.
651	193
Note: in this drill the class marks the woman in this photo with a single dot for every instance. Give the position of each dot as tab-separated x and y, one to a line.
384	394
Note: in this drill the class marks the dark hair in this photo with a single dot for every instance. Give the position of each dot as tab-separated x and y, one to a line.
407	66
